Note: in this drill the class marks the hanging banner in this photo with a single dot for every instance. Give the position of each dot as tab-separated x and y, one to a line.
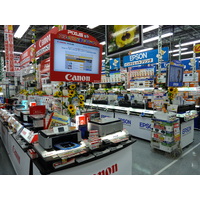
144	58
9	47
27	56
43	44
45	66
75	57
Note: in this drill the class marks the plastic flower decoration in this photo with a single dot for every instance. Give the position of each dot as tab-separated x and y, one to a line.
72	87
71	110
81	104
81	97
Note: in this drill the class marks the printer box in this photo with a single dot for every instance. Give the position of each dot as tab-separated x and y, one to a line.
105	126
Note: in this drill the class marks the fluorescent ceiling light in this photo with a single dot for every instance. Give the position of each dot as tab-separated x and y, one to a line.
150	28
188	43
21	30
103	43
177	50
15	52
92	26
189	58
188	52
103	53
147	49
156	38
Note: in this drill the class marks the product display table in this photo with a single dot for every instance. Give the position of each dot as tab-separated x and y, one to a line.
138	122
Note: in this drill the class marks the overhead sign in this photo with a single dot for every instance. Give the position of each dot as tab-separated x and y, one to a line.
196	48
144	58
75	57
27	56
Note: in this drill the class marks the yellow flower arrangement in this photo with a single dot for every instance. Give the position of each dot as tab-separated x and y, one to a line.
72	87
172	91
71	93
81	97
81	104
58	94
71	110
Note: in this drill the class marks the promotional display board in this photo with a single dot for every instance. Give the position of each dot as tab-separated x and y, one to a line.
122	38
75	57
144	58
9	47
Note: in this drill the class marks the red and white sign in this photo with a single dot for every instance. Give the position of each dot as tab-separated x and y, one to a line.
9	47
43	44
45	66
72	62
27	56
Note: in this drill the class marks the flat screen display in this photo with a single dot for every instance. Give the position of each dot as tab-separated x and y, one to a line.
175	76
75	57
123	38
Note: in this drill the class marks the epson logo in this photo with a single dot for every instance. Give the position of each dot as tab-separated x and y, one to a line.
110	170
138	56
104	116
70	77
186	130
75	33
145	125
125	121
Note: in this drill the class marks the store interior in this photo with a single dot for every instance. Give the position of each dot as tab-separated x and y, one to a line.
102	100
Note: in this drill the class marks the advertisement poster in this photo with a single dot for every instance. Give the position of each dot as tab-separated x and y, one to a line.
121	38
142	77
144	58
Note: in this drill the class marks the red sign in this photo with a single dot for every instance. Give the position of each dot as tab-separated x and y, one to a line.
9	47
43	44
37	110
27	56
45	66
196	48
75	57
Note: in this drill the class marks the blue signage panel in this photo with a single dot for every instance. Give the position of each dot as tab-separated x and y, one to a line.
188	65
144	58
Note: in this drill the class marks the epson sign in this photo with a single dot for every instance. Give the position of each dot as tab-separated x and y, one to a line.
186	130
126	121
145	125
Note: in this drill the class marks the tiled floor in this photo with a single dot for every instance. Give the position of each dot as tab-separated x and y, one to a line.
145	160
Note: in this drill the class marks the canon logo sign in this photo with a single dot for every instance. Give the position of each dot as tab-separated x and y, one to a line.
70	77
109	170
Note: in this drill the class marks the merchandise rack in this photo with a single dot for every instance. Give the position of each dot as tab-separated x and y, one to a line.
166	136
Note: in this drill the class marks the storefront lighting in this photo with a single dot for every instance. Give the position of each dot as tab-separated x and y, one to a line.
188	43
21	30
103	43
92	26
15	52
156	38
150	28
147	49
177	50
184	53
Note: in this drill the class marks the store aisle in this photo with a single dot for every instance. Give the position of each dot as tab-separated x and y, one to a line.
149	162
5	164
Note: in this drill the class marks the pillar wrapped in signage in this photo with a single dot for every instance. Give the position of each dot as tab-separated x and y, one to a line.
9	47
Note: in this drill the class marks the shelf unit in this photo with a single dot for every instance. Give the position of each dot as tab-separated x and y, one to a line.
165	135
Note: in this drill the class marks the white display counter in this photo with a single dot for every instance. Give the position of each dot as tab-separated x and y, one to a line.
139	121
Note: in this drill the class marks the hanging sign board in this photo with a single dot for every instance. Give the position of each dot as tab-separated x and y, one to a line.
144	58
75	57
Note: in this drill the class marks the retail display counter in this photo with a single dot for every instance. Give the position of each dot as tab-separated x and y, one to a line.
138	122
112	156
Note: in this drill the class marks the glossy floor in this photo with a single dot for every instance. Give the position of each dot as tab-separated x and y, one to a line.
145	160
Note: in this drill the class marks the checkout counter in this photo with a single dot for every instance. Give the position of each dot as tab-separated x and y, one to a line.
62	150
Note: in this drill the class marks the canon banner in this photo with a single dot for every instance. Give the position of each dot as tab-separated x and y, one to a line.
9	47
